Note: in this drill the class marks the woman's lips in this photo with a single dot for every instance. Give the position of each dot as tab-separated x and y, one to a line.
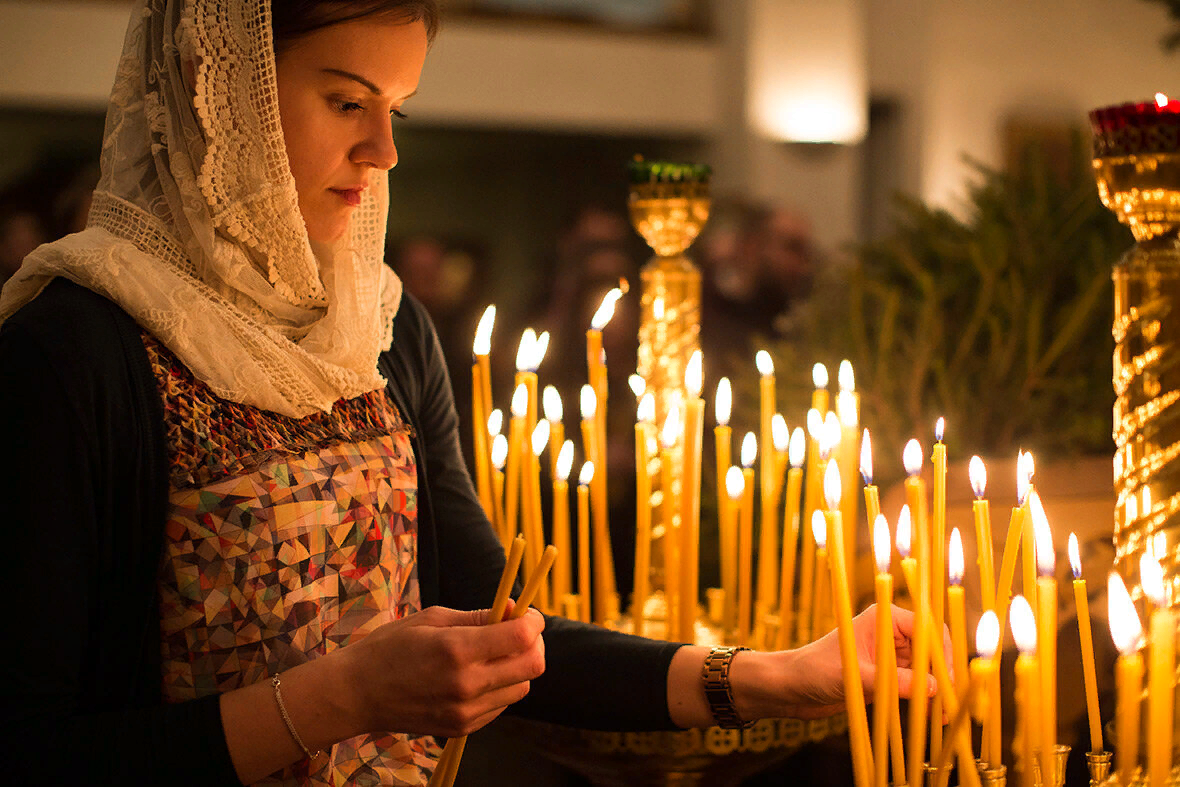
351	197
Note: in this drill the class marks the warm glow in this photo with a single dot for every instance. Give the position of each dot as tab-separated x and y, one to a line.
671	429
764	363
846	409
866	458
829	436
606	310
496	422
978	475
1075	557
749	449
1024	625
819	529
646	412
845	378
589	402
1161	100
882	547
499	451
954	558
939	429
819	375
723	404
1151	579
1125	628
1042	536
483	332
551	402
693	375
815	424
540	437
735	483
638	385
779	432
540	347
987	635
657	308
1024	475
832	485
524	350
798	447
587	474
520	401
565	460
904	531
912	457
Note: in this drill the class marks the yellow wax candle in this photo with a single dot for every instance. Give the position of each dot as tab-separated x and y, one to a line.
562	570
1127	633
812	489
1027	688
1046	628
854	698
768	535
920	650
722	453
819	527
516	452
670	540
957	608
1161	685
1008	565
848	414
746	540
1086	637
584	479
872	494
539	440
884	705
786	611
642	583
602	560
735	489
987	668
1024	464
959	726
499	458
981	512
479	435
937	563
554	412
690	499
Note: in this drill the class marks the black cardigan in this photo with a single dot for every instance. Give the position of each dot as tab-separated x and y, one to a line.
84	493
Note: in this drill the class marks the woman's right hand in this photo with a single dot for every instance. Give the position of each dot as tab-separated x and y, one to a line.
442	671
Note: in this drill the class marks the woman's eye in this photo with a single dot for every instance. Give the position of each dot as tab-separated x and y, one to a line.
347	107
397	113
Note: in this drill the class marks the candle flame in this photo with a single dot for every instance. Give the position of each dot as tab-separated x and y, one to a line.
647	409
815	424
819	529
587	474
1151	578
1075	557
978	475
540	347
846	409
1161	100
829	437
499	451
912	457
779	432
844	376
483	332
866	457
939	429
819	375
638	385
954	558
749	449
723	404
589	402
798	448
735	483
1024	476
551	402
524	350
606	310
496	422
1042	537
1024	625
832	488
693	375
565	460
987	635
882	546
764	363
904	531
1125	628
671	429
520	401
540	437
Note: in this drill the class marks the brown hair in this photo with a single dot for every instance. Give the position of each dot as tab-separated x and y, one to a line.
293	19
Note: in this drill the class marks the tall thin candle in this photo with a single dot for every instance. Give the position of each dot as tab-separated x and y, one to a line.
670	540
584	478
957	607
920	649
722	450
977	474
812	489
554	411
1086	637
539	440
644	435
480	370
885	687
786	612
987	666
690	499
1161	685
562	570
1024	468
735	485
516	452
1024	631
819	531
499	458
768	535
1046	628
1127	632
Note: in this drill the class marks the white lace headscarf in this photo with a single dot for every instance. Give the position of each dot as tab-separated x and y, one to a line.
195	229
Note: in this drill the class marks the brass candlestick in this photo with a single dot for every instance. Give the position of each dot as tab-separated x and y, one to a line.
1099	765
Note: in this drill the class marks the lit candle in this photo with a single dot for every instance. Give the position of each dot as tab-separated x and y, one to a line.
722	449
1024	468
822	620
607	605
812	489
1024	631
819	528
562	570
749	453
768	536
1046	628
584	479
872	494
977	474
780	436
1161	685
594	365
848	413
554	412
937	561
690	498
1127	633
786	613
920	650
536	532
885	687
735	488
670	538
915	491
480	374
987	669
854	697
516	437
957	608
644	429
1012	544
603	561
499	457
1086	636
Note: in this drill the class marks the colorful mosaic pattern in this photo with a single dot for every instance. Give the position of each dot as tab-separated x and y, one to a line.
306	551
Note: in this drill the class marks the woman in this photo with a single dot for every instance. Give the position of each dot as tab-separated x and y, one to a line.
234	451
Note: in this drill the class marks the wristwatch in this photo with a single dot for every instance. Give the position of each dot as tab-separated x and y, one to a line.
718	693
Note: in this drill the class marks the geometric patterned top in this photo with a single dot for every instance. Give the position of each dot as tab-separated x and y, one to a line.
286	539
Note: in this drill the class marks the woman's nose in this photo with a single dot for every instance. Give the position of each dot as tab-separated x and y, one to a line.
378	148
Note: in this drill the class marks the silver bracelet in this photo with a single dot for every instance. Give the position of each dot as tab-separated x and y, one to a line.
287	720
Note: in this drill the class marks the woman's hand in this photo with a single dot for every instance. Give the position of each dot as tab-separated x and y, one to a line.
442	671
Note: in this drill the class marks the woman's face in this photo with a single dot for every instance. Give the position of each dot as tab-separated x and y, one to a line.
341	89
